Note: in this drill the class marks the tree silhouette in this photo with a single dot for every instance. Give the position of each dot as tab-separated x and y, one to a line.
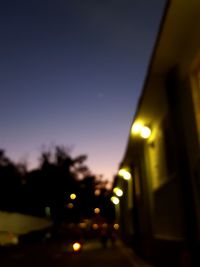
49	187
10	183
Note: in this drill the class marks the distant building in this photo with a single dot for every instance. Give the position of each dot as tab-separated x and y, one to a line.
160	209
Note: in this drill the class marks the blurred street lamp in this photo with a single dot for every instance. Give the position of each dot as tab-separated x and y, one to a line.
76	246
70	205
145	132
97	192
73	196
124	174
97	210
82	225
116	226
136	128
140	129
115	200
118	191
95	226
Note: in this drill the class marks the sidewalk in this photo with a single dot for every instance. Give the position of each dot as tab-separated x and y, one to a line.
131	255
59	254
120	249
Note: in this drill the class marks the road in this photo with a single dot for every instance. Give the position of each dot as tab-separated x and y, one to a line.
59	254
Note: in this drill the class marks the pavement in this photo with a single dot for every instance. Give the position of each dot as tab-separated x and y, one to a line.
59	254
133	258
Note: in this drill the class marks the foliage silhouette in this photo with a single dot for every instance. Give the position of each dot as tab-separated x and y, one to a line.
49	187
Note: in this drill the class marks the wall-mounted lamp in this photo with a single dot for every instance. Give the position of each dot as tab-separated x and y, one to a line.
115	200
124	174
141	130
145	132
136	128
118	191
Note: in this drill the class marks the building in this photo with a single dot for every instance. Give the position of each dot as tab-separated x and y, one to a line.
159	211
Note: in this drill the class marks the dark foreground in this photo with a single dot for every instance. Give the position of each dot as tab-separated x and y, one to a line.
59	254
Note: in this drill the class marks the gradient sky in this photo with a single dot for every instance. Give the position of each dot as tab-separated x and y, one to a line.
71	72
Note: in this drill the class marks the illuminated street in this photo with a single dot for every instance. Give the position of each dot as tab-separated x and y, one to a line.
59	254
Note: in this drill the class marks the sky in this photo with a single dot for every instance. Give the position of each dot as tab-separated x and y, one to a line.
71	73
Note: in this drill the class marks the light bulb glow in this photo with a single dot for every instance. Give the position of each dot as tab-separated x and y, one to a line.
82	225
115	200
97	192
116	226
76	246
145	132
136	128
97	210
70	205
73	196
118	191
142	130
95	226
125	174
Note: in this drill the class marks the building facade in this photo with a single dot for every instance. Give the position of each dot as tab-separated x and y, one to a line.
160	208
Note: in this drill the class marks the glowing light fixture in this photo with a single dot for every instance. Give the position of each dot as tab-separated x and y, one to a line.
97	192
125	174
73	196
95	226
70	205
145	132
136	128
76	246
97	210
116	226
82	225
115	200
118	191
142	130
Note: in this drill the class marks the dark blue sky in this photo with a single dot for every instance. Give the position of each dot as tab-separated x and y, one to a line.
71	72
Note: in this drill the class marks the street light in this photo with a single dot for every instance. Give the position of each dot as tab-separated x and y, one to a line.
70	205
76	246
116	226
97	210
73	196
